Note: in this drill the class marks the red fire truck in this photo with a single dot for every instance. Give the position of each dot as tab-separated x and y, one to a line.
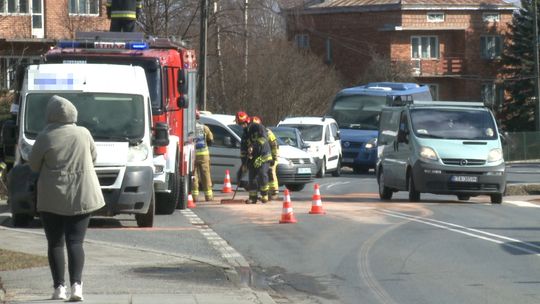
171	73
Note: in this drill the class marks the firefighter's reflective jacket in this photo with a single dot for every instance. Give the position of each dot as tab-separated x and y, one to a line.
259	150
274	145
203	139
124	9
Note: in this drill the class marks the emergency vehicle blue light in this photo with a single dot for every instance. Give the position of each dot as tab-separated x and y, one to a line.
68	44
137	45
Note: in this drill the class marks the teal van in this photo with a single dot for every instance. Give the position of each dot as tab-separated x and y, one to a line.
441	148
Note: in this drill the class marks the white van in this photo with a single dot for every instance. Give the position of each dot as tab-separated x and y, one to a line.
113	103
322	136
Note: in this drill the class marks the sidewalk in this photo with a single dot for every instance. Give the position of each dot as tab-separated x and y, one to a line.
120	274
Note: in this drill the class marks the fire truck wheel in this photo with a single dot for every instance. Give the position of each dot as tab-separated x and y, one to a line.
147	219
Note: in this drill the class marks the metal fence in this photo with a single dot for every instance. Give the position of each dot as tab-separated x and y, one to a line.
521	146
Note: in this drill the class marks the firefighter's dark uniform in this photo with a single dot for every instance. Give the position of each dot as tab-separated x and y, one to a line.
242	119
258	161
203	139
123	14
272	174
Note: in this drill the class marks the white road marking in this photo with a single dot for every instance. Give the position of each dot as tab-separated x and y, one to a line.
522	204
479	234
226	251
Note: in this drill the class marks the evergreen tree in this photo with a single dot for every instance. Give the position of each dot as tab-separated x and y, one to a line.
518	110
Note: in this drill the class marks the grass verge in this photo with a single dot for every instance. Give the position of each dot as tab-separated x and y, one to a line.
13	260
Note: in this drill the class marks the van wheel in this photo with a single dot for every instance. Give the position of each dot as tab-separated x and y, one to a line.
414	195
337	173
147	219
322	171
166	202
496	198
21	219
385	193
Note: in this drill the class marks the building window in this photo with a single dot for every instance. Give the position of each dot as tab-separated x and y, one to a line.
328	55
302	41
425	47
491	17
435	17
492	94
14	6
490	47
83	7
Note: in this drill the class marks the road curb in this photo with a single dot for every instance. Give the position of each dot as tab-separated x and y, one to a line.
522	189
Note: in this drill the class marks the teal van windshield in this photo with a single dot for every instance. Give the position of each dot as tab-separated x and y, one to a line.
453	124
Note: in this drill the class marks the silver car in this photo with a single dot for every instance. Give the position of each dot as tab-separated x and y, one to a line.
295	170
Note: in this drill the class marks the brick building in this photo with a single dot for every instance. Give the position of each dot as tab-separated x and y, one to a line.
452	45
30	27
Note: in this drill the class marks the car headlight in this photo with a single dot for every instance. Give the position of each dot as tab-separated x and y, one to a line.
137	153
495	155
372	143
428	154
25	148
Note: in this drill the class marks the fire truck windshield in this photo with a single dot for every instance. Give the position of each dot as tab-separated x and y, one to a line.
107	116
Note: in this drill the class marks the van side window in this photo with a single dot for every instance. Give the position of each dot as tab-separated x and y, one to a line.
327	135
404	124
334	128
220	134
389	126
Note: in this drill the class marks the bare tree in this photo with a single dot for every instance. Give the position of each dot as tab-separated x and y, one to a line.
381	68
281	80
171	18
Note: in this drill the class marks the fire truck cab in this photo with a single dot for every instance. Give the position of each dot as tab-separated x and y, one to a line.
171	74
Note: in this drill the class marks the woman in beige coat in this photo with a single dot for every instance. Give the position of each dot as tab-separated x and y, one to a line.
67	192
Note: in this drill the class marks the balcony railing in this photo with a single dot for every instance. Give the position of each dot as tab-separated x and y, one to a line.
436	67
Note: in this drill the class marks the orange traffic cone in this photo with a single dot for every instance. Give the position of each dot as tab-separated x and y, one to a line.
287	215
190	202
316	203
227	188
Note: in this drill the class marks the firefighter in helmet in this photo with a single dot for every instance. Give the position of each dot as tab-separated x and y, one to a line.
203	139
123	14
259	156
274	148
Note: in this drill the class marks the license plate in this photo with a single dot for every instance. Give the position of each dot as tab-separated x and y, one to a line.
304	171
348	160
464	179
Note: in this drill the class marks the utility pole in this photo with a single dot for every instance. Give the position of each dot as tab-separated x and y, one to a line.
246	45
536	66
201	93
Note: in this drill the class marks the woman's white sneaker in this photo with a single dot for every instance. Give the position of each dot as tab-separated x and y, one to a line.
76	292
59	293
